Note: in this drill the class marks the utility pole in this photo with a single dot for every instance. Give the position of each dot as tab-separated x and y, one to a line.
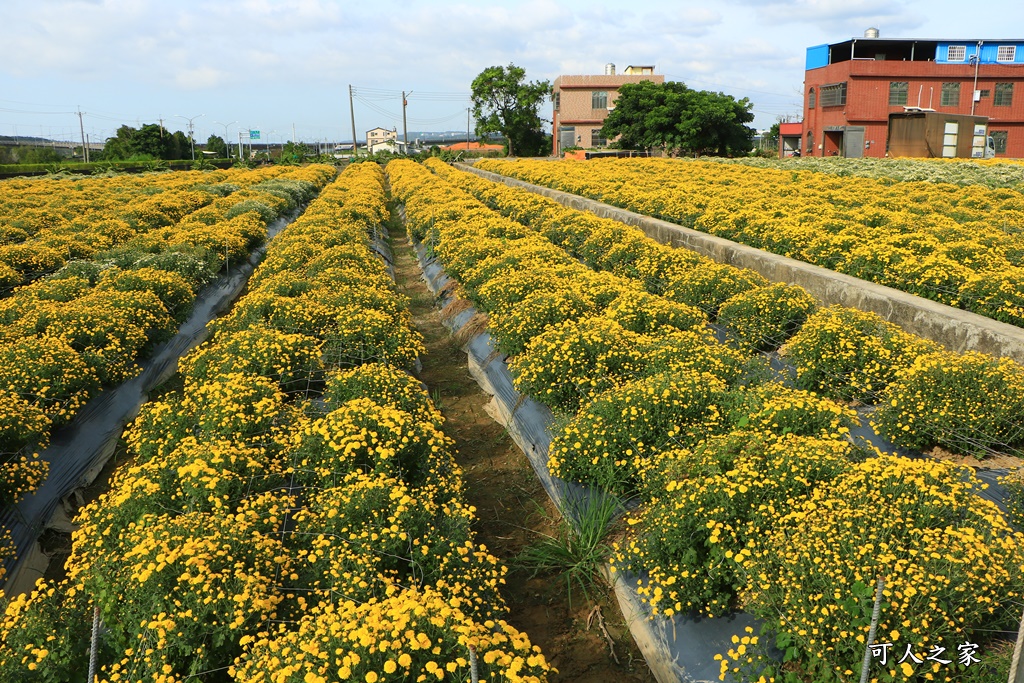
191	128
81	129
467	129
161	120
294	141
352	113
239	146
405	127
977	63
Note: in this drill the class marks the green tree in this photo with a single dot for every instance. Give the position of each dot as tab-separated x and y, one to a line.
294	152
215	143
179	147
119	147
504	102
679	120
148	142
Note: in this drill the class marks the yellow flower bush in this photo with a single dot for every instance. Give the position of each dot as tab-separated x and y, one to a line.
645	313
48	373
371	532
570	363
776	409
711	285
23	427
411	634
173	290
851	355
946	399
385	385
707	507
179	591
609	443
363	436
764	318
1013	484
291	359
953	570
32	648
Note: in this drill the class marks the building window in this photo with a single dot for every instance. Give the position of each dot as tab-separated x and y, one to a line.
984	93
999	138
810	98
595	138
1004	95
956	53
1006	53
599	100
950	95
898	92
833	95
557	99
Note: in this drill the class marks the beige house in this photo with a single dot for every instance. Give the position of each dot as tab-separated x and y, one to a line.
581	104
379	136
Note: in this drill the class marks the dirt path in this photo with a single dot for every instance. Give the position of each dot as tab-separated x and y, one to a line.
511	506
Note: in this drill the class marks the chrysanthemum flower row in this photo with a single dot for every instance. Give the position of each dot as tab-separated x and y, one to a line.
842	353
295	503
960	246
64	337
45	223
729	477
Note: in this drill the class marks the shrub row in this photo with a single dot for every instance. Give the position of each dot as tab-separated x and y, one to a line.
64	337
928	397
957	245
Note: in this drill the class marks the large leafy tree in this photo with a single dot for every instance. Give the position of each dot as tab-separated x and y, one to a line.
215	143
148	142
504	102
679	120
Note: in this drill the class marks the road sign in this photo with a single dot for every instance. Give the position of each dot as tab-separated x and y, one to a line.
254	135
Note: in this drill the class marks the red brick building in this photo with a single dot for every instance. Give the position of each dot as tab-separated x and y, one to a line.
850	88
581	104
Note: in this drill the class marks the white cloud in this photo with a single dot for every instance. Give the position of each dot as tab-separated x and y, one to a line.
688	21
844	17
199	78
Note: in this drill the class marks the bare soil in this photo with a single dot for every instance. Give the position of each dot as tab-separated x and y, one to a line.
991	461
512	508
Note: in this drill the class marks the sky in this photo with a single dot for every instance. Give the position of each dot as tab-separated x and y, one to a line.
279	65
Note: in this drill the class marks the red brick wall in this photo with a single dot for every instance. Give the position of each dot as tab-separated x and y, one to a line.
867	98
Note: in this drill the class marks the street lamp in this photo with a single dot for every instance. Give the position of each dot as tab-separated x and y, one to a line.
191	139
227	145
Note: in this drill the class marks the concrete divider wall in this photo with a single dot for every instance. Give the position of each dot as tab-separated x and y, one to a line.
955	329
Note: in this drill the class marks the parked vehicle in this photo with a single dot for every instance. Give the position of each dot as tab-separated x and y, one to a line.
928	133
